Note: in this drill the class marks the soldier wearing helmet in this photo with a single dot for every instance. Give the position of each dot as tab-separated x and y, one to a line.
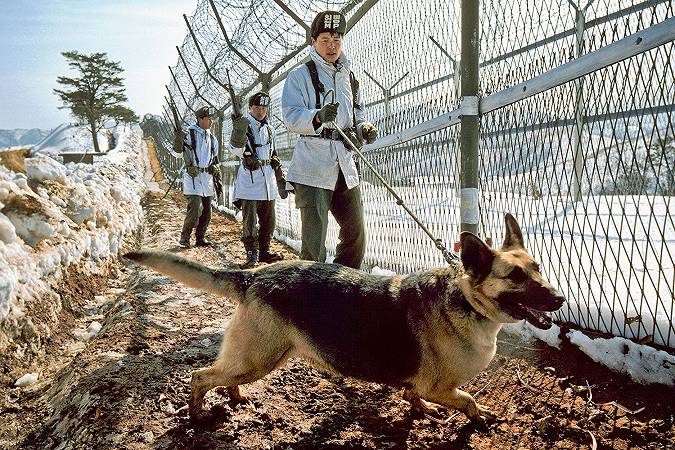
317	97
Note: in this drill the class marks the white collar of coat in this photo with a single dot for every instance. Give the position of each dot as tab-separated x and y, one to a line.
199	129
326	66
260	124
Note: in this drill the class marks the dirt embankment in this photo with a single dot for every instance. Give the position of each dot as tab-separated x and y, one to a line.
13	159
127	388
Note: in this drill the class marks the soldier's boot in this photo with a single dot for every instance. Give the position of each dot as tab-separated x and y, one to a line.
251	253
184	240
251	259
267	256
203	242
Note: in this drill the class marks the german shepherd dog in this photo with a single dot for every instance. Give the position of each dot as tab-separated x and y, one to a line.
429	332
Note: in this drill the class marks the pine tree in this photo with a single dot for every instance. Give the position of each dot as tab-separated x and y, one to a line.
97	94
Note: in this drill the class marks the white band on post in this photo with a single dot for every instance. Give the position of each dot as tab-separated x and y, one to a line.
468	106
468	205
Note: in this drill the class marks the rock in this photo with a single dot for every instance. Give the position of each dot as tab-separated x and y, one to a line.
622	422
26	380
148	437
94	328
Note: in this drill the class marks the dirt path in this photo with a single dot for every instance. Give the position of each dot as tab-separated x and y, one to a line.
127	388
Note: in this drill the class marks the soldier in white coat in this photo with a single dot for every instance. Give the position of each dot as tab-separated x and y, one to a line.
200	154
316	96
259	179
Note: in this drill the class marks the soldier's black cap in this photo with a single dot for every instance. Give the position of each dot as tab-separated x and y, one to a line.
205	111
260	98
329	21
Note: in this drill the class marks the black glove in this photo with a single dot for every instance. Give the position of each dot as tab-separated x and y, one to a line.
179	141
192	171
281	184
251	162
369	132
275	163
238	135
328	113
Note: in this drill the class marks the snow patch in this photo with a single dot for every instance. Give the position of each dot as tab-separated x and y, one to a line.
72	214
7	229
43	168
527	331
86	335
643	363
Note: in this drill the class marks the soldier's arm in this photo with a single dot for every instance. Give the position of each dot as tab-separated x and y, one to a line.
297	116
359	111
188	154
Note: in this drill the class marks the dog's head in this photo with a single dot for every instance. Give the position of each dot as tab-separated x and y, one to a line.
506	285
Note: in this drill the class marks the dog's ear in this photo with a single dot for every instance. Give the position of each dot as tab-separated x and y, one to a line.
514	237
476	256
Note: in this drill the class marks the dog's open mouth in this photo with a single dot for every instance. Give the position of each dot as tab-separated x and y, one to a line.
537	318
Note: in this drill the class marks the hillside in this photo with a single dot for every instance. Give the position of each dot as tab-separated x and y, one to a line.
21	137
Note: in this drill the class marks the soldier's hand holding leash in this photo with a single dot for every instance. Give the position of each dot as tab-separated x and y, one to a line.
328	113
369	132
193	171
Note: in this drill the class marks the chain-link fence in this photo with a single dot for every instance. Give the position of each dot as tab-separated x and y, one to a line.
576	132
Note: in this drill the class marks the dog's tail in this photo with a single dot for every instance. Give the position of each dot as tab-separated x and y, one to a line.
229	283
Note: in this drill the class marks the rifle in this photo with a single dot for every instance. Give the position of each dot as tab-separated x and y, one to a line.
176	120
236	113
176	127
178	173
236	110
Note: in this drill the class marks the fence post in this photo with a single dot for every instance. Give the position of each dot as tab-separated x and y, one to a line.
469	132
579	105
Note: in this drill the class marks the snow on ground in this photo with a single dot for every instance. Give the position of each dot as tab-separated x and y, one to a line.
643	363
58	215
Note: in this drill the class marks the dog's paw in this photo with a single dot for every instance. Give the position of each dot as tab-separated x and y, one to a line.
425	408
484	418
486	413
235	394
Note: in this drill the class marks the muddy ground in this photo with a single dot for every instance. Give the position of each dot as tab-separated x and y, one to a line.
127	388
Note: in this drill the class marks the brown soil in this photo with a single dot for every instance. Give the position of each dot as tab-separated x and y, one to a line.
128	387
157	174
13	159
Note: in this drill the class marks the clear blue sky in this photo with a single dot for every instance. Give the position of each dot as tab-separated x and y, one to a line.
140	34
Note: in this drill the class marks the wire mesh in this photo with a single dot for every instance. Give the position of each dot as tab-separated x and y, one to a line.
587	167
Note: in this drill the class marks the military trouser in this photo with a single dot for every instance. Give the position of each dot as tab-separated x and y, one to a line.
257	237
346	206
198	214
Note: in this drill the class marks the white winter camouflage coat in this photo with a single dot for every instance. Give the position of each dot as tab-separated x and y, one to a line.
259	184
204	154
316	161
